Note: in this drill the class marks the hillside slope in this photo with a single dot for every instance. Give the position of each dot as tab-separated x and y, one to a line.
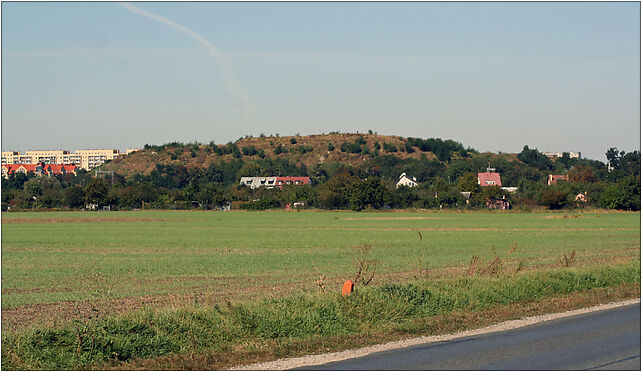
308	150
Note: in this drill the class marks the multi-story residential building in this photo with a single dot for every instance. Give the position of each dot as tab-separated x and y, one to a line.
14	157
85	159
94	158
46	156
68	159
7	156
572	155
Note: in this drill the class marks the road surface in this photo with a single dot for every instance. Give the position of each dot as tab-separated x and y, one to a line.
607	340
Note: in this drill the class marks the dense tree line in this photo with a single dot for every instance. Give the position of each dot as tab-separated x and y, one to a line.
448	181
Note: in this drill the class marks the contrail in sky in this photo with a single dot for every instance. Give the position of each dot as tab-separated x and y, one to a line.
227	72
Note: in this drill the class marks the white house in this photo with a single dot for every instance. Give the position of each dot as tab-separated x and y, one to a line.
256	182
405	181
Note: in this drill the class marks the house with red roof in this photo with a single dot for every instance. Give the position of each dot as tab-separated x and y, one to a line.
38	169
53	169
552	178
489	178
280	181
8	169
270	182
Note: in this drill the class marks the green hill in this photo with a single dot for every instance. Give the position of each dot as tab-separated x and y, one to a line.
346	148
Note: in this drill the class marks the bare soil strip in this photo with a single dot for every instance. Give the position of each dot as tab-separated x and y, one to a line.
57	313
311	360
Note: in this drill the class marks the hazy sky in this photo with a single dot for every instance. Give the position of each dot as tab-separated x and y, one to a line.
494	76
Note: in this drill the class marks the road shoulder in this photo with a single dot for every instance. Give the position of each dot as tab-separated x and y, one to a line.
312	360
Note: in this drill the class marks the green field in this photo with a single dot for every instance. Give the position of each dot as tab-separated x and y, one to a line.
54	257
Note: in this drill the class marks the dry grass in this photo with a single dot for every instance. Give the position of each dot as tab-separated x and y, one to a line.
568	260
365	266
436	325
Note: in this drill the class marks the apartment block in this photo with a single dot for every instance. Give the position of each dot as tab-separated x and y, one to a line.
85	159
14	157
46	156
572	155
94	158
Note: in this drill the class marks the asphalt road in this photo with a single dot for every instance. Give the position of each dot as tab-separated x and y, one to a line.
607	340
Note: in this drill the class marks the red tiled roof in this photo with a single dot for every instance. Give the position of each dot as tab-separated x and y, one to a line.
293	180
28	167
489	179
54	168
59	168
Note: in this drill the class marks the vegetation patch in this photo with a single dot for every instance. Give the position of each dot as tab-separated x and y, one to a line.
219	329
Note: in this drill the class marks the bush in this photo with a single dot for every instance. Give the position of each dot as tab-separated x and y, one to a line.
554	199
249	150
257	205
389	147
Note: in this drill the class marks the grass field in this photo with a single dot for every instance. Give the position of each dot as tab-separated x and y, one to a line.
208	290
172	257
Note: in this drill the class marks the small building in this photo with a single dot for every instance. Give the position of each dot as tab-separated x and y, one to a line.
270	182
5	170
8	169
54	169
404	180
256	182
495	203
489	178
553	178
281	181
510	189
572	155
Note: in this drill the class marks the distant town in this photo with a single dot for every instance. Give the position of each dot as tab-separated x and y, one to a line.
326	171
82	159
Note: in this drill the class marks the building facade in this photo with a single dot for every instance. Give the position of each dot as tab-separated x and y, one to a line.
270	182
572	155
489	178
404	180
85	159
554	178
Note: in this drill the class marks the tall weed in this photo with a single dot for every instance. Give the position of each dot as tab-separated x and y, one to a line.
148	334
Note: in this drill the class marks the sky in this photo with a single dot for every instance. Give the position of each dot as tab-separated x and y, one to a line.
493	76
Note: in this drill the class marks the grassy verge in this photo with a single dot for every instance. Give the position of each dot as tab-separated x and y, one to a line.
210	337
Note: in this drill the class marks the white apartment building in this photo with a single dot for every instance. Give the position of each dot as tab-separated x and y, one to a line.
572	155
85	159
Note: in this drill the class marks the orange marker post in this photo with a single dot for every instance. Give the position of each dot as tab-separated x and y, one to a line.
348	287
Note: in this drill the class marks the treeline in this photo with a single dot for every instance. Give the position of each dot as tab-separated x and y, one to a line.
444	183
